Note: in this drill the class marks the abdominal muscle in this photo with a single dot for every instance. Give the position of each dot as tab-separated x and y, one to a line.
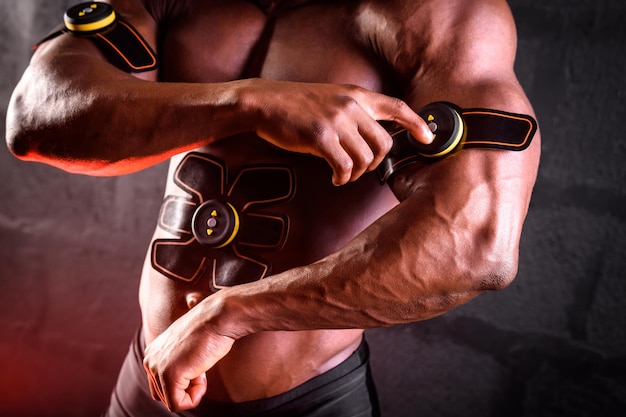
322	219
260	365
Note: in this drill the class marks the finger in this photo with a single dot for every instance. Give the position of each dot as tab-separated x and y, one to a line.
396	110
169	396
359	152
379	142
197	389
418	127
330	148
156	390
153	390
153	384
342	164
185	394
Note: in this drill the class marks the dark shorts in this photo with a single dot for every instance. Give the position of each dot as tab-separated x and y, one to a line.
344	391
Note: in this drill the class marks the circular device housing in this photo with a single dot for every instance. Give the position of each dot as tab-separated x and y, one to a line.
446	123
215	223
89	18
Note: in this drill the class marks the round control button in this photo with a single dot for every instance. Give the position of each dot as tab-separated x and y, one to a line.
447	126
89	18
215	223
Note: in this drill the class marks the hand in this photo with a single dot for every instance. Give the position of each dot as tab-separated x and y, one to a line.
176	361
335	122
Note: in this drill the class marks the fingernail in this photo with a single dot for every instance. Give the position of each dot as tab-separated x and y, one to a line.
429	135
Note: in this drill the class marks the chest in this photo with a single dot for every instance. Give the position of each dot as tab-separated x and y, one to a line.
224	41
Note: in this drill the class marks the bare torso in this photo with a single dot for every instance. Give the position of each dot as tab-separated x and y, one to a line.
226	40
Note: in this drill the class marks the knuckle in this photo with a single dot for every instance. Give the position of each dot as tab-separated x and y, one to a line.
352	88
387	144
367	157
345	164
345	102
323	134
318	129
146	364
398	103
379	146
398	106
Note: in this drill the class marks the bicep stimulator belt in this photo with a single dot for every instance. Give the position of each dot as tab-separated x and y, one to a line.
454	129
118	40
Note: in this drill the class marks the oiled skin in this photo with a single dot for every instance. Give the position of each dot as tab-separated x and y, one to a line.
355	256
321	221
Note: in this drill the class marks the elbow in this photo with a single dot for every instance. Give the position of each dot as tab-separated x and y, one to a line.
21	134
24	143
31	136
16	139
38	145
499	274
494	266
493	241
19	144
37	119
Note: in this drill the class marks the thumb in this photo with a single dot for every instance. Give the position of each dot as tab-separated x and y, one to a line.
197	389
181	399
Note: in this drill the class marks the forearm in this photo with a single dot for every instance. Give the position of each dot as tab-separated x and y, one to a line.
76	112
432	253
79	114
454	235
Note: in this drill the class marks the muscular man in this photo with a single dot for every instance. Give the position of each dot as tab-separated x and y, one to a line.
268	113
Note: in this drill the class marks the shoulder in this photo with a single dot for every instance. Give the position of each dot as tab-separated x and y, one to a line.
157	10
465	30
448	34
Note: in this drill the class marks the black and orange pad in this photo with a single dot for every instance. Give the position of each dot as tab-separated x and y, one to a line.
455	129
118	40
222	230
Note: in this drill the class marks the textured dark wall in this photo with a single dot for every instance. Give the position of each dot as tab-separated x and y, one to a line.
552	344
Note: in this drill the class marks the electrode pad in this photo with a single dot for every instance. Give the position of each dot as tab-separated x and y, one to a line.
454	129
118	40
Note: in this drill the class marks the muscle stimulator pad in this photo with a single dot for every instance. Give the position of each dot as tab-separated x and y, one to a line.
455	128
118	40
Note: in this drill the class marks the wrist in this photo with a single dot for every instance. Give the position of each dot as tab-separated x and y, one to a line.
254	96
225	314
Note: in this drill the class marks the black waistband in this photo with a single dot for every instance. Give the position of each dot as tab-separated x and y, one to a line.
330	380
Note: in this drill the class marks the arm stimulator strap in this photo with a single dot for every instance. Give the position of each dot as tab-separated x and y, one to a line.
118	40
454	129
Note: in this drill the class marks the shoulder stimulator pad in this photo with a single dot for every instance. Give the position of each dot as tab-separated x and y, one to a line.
118	40
454	129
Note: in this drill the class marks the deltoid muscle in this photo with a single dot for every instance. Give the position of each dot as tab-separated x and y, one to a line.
222	228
